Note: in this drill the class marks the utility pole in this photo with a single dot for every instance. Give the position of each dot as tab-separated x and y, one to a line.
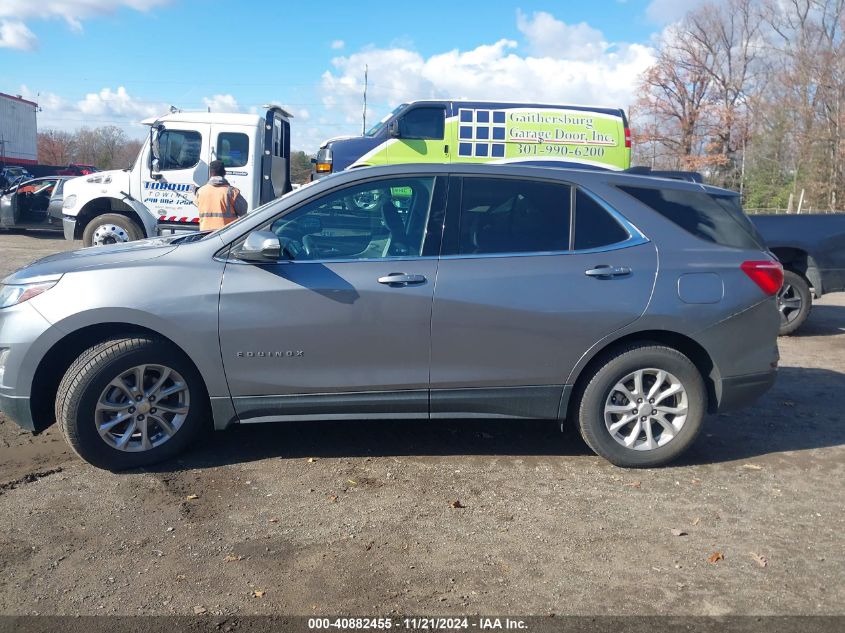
364	126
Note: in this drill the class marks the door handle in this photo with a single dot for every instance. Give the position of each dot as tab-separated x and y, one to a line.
608	272
401	279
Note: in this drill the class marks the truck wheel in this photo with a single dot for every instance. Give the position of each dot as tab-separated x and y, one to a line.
642	407
111	228
794	302
130	402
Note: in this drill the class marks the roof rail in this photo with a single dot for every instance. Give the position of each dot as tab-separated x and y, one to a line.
689	176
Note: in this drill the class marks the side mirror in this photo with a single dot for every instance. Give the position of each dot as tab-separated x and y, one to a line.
393	129
260	246
155	152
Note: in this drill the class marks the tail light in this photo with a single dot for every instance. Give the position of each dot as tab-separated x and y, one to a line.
766	273
628	138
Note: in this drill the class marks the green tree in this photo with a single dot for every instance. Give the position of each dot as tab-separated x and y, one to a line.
300	167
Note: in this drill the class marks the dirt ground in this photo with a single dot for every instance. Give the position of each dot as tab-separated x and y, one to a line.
329	518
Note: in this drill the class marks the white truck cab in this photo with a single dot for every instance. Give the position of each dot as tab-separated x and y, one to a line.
156	193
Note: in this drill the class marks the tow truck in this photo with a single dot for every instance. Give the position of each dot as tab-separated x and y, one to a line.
155	194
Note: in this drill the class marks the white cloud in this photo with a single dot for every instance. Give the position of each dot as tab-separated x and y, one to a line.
496	71
119	103
222	103
73	12
549	37
338	44
15	34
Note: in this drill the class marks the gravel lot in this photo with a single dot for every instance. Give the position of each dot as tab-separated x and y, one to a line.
328	518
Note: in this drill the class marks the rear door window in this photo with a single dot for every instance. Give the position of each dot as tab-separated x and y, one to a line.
716	218
513	216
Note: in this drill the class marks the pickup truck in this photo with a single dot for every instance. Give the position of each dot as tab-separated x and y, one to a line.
812	250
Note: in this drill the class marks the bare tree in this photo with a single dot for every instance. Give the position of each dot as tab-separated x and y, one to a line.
670	109
56	147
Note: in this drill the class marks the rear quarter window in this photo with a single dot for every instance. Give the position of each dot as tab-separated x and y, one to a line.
716	218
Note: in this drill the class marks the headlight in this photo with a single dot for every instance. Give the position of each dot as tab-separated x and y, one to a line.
69	202
12	295
97	179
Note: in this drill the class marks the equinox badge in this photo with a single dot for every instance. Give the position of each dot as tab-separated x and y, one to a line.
289	353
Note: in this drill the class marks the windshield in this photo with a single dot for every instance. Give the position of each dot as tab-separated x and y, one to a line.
373	131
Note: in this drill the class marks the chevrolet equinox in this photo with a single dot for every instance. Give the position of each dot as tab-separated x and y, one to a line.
628	305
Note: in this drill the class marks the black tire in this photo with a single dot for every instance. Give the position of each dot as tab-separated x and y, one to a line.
88	377
591	400
119	223
795	290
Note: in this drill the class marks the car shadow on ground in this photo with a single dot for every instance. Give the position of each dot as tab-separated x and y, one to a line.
824	320
798	413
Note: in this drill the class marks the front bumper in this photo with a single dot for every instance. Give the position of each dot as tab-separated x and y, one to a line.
741	391
27	336
17	409
69	225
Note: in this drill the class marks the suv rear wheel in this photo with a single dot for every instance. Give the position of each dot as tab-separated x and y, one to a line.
130	402
642	407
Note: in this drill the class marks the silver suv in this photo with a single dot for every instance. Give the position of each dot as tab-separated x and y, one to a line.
629	305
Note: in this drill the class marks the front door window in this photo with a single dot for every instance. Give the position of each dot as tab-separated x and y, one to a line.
374	220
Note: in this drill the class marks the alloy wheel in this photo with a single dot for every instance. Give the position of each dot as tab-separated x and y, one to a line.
142	408
789	303
646	409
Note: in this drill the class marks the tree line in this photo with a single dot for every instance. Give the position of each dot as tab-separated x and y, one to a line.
751	93
106	147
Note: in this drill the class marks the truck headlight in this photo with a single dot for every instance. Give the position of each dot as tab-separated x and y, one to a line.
13	294
69	202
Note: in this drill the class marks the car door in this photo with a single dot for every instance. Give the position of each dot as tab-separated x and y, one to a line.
183	166
340	326
533	274
231	144
54	211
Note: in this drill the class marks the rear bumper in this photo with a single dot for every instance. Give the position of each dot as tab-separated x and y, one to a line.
17	409
741	391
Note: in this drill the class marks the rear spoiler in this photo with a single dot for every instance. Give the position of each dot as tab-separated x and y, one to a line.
689	176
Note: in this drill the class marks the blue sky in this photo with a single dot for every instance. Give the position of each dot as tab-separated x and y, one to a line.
99	64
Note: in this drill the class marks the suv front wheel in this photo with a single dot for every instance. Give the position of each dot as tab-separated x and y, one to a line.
642	407
130	402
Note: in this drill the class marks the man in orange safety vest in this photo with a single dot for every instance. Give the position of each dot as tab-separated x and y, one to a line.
219	203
